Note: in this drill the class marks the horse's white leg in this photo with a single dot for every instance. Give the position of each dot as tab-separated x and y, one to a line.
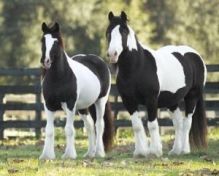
141	143
177	119
89	125
155	145
187	123
100	109
70	151
48	149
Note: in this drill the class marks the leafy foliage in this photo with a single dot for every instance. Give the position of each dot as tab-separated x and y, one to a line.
83	24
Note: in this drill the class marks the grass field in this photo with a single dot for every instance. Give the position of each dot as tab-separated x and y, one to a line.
20	158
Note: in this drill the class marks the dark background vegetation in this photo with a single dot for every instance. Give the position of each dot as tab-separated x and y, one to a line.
83	24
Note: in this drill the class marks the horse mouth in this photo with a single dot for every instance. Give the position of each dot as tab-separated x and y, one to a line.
46	65
113	60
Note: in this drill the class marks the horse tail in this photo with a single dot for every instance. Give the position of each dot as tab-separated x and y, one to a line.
109	128
198	133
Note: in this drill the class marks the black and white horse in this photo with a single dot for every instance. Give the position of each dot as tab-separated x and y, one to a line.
156	79
81	83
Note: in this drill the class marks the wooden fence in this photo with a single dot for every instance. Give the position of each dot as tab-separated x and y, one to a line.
22	86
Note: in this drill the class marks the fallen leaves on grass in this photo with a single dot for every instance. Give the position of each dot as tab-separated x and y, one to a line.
208	159
13	171
18	160
202	172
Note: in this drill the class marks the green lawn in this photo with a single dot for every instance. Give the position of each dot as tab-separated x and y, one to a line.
20	158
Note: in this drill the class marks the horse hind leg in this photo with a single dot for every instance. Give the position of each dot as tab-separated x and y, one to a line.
100	109
89	125
177	119
190	105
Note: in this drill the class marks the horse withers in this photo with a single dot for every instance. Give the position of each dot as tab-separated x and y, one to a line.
78	84
157	79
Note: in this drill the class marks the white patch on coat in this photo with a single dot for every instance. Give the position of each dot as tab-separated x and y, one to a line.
131	40
88	85
49	41
115	45
177	119
169	70
141	142
155	145
77	55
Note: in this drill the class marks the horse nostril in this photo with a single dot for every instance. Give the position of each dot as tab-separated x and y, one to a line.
115	54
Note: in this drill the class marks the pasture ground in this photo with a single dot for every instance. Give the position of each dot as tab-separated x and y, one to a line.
19	157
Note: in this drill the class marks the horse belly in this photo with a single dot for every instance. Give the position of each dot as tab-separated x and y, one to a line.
89	91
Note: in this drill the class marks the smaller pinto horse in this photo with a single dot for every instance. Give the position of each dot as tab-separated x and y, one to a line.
158	79
81	83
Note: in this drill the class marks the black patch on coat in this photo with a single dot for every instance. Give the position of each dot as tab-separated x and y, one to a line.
59	85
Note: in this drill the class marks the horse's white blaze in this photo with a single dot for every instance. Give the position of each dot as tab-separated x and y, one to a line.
88	85
178	125
141	143
49	41
155	145
131	41
115	45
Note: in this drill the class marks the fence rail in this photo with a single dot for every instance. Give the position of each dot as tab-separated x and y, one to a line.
211	88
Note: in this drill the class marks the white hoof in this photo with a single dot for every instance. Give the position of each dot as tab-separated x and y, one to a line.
186	151
174	152
140	153
100	154
89	154
69	155
47	156
157	151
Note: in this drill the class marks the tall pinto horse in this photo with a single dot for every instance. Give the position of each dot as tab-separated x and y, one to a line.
157	79
81	83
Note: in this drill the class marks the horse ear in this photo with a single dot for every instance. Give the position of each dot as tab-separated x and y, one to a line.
44	27
123	16
110	15
56	27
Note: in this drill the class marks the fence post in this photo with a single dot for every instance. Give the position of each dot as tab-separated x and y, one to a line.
38	117
1	118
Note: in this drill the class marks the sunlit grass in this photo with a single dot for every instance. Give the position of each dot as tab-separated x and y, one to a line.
20	158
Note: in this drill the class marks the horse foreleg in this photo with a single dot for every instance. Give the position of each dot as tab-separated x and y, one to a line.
70	151
155	145
89	125
177	119
48	149
141	143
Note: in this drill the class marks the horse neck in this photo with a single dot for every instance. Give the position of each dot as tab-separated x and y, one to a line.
130	61
59	68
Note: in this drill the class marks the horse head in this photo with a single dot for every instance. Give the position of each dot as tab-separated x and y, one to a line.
51	44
